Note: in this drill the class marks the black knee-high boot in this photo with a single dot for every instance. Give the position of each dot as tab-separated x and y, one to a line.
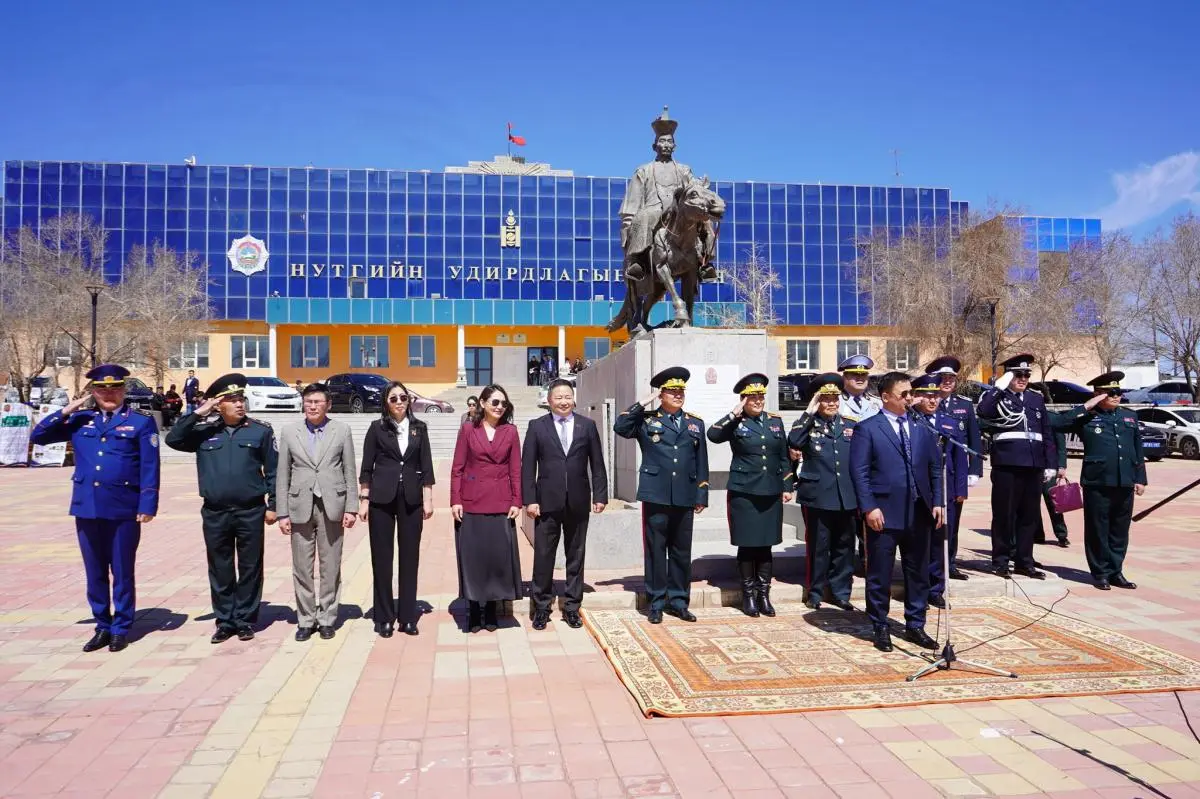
766	568
746	568
474	617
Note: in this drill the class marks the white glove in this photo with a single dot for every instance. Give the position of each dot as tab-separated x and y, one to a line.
972	480
1049	474
1003	380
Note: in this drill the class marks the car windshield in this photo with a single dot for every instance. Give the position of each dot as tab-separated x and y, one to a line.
274	382
370	380
1189	416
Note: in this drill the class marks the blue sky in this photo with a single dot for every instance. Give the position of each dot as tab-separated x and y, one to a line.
1064	108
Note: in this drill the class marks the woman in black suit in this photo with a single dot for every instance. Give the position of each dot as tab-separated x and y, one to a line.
396	489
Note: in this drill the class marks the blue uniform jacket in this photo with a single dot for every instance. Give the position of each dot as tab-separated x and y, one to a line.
674	464
116	463
878	470
955	418
824	480
760	463
1028	443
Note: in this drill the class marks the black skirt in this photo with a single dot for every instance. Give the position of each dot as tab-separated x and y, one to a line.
489	564
755	520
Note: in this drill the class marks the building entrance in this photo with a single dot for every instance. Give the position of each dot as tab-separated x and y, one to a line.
478	363
542	365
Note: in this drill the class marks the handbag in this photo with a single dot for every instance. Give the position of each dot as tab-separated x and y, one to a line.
1066	497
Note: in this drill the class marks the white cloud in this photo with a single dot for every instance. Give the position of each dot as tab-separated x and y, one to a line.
1152	189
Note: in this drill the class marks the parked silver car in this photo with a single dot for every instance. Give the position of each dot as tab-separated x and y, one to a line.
1164	393
1180	425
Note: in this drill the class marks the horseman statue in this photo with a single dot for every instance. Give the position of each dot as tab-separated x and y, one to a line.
669	225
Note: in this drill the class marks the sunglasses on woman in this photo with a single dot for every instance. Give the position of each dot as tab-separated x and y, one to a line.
498	403
401	399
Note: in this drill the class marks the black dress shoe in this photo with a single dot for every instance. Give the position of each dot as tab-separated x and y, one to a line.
409	628
571	617
222	635
883	639
325	631
118	643
1120	582
245	633
919	637
654	616
937	602
1103	585
1064	542
844	604
304	633
490	621
1032	574
540	619
1003	571
382	630
811	601
474	617
98	641
955	574
682	614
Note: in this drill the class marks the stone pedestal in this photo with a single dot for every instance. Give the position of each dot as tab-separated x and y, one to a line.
717	359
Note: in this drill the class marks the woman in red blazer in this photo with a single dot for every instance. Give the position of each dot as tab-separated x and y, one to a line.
485	498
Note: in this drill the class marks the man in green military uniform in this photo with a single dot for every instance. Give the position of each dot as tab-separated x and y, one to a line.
672	487
1114	470
760	481
235	458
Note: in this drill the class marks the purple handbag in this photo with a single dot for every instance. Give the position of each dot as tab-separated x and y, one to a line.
1066	497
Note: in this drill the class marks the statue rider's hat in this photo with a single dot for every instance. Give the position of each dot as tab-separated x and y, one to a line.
664	125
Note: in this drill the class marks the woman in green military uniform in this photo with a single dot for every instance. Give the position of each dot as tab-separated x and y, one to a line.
1114	470
760	481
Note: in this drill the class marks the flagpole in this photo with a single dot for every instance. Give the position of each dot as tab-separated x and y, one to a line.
508	138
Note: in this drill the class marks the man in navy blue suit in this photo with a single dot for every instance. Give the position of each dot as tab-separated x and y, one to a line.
896	467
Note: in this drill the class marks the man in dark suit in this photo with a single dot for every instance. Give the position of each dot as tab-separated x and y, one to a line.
896	467
191	387
560	450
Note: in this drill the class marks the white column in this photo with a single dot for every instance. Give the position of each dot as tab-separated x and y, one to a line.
461	378
562	344
271	349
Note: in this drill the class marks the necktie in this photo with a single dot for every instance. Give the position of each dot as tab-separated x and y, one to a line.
562	434
904	442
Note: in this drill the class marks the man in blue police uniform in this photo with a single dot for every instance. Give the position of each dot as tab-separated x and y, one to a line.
236	461
956	417
825	492
896	467
927	399
672	487
857	405
1114	470
1023	455
112	497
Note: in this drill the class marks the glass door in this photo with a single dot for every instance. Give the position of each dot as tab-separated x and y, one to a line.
478	365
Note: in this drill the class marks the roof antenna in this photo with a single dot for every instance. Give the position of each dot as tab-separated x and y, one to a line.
896	162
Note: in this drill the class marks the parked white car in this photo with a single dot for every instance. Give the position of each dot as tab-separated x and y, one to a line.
1181	426
271	394
544	392
1164	393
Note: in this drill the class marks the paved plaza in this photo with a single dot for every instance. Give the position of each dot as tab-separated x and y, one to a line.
521	713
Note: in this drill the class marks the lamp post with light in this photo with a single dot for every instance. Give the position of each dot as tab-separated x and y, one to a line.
95	292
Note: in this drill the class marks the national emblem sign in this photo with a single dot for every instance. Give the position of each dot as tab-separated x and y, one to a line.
248	255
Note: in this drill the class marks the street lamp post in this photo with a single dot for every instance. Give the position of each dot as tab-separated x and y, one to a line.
95	292
995	336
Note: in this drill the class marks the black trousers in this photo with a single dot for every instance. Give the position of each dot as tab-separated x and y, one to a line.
938	544
829	551
1016	514
395	531
914	559
548	528
1107	513
1057	522
667	548
236	587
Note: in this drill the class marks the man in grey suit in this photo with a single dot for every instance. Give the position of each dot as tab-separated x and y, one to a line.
316	472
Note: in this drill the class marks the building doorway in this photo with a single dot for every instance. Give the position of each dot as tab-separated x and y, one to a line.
478	365
542	363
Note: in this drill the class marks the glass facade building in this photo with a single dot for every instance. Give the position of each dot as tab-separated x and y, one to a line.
465	247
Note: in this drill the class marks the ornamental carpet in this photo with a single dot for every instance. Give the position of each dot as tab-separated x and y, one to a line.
730	664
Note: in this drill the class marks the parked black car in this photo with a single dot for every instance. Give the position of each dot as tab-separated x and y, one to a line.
140	396
356	392
793	390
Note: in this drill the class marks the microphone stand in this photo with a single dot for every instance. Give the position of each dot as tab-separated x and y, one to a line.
949	658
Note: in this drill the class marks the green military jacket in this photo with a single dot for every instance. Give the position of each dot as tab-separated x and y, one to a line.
674	468
824	481
1112	446
760	462
235	465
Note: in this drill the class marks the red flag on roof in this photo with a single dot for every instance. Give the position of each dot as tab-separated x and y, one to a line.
517	140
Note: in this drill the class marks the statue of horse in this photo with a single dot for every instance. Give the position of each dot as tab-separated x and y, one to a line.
685	242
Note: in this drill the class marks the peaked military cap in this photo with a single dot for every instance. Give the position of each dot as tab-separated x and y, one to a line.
927	384
664	125
1107	381
754	383
1019	363
828	383
945	365
227	386
856	364
672	377
108	375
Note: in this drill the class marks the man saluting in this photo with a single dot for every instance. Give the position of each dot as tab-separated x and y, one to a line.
112	496
672	486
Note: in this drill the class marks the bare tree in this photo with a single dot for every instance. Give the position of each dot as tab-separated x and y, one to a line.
43	273
165	303
754	282
1107	279
1172	292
